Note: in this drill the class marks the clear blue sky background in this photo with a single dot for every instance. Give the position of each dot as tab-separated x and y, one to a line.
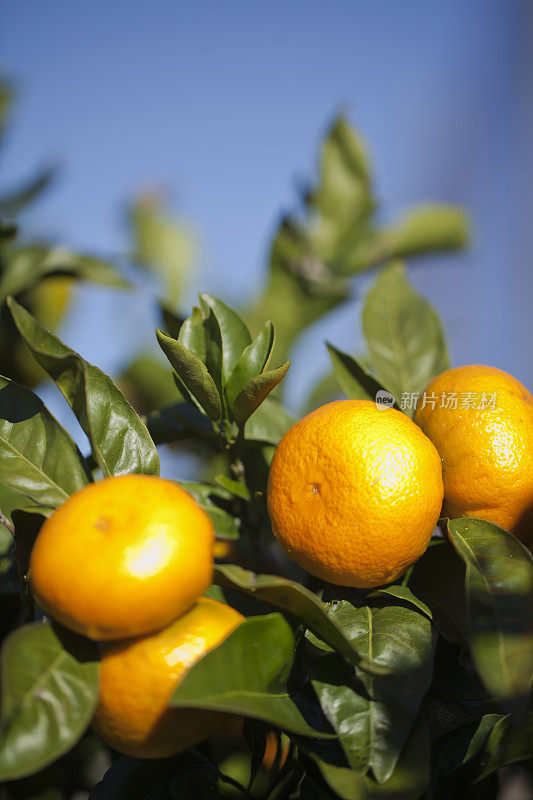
225	103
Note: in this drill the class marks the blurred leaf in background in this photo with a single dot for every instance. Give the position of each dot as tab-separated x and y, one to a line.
40	275
314	254
337	236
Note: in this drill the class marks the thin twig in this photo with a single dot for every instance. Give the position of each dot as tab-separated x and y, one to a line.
7	524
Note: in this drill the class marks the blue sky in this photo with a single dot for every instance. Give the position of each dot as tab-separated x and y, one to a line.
224	104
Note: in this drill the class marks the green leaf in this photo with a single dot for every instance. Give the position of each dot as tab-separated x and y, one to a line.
48	698
214	359
294	598
226	525
354	380
192	334
255	392
506	744
400	640
26	266
233	487
247	674
408	781
120	441
193	374
429	227
499	593
343	197
37	456
403	333
405	594
13	203
269	423
163	246
438	579
234	332
300	288
424	229
251	363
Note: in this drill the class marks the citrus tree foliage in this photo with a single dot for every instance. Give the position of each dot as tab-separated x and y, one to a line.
38	274
420	689
332	236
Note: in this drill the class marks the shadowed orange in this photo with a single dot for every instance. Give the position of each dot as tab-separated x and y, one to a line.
139	676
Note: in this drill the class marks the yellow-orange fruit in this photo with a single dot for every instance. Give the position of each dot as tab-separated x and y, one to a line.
481	422
354	493
139	676
122	557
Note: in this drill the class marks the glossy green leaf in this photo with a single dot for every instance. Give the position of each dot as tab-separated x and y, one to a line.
119	440
234	332
438	579
255	392
403	593
499	593
226	525
400	640
247	674
37	456
354	380
214	358
48	698
251	363
27	265
294	598
269	423
404	334
408	781
193	374
192	334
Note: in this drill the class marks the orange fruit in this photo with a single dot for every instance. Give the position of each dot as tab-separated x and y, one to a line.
122	557
486	444
275	748
139	676
354	493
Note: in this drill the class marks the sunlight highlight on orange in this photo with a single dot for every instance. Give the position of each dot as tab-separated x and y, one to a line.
148	558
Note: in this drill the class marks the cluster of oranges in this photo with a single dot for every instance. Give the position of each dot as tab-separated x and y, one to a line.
355	491
124	561
354	495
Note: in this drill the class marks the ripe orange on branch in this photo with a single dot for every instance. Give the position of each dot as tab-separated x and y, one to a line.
123	557
354	493
486	445
138	677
